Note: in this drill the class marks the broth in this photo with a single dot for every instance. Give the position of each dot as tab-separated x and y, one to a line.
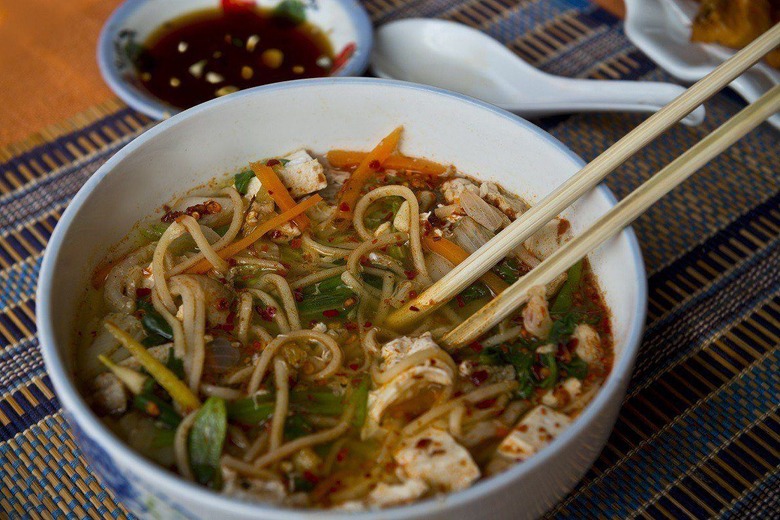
257	358
214	52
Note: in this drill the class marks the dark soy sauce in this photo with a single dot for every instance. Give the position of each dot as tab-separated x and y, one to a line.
211	53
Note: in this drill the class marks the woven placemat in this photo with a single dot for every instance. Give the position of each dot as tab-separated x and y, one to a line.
699	433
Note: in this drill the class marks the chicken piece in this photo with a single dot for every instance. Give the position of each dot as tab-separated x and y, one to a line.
260	211
436	458
384	495
536	315
562	394
302	174
534	431
393	351
510	205
454	187
588	343
110	395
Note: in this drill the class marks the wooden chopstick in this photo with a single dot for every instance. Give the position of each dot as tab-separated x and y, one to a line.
482	260
616	219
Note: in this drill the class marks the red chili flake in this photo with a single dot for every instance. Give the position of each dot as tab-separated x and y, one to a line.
412	294
353	366
272	162
460	301
343	206
476	347
256	346
311	477
374	165
330	313
479	377
152	409
563	226
349	325
342	454
142	292
232	262
487	403
231	318
298	294
222	304
267	313
423	443
411	275
367	325
414	309
275	234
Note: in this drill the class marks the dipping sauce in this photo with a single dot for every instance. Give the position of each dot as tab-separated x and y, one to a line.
214	52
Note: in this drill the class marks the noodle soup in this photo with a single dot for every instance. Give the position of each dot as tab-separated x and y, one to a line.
242	339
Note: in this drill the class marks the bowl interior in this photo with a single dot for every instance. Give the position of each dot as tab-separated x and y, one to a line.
223	135
345	23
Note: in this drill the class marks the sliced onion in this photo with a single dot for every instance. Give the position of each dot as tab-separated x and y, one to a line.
469	235
482	212
438	266
221	356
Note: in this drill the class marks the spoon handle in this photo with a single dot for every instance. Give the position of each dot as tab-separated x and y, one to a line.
588	95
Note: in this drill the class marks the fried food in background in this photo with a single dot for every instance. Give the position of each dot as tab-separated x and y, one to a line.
736	23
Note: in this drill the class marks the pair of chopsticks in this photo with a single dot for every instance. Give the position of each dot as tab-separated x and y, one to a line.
611	223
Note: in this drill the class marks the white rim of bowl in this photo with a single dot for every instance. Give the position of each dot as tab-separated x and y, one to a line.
72	401
155	108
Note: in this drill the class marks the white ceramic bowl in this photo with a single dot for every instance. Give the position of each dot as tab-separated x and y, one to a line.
345	22
223	135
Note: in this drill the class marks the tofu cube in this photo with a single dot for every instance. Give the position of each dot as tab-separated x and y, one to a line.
534	431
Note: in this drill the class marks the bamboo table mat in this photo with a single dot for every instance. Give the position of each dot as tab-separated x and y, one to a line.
699	433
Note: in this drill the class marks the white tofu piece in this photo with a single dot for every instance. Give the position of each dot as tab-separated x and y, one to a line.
562	394
393	351
534	431
302	174
252	188
588	343
435	457
385	495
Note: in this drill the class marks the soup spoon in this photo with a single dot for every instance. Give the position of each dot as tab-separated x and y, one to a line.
456	57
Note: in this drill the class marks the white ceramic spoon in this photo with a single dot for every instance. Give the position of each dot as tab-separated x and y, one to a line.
456	57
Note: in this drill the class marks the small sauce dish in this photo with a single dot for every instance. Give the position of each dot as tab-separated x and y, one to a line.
137	60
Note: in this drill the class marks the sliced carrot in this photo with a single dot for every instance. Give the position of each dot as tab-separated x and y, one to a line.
455	254
239	245
350	159
354	185
277	190
179	391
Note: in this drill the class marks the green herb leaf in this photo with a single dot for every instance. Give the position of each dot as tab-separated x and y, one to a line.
329	294
153	321
297	426
284	161
175	364
577	367
548	360
241	180
359	398
565	299
157	409
207	437
291	10
252	411
508	270
473	292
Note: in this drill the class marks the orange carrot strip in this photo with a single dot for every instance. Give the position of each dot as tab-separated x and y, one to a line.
455	254
350	159
239	245
277	191
370	163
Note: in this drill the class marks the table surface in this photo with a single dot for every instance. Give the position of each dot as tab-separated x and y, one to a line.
699	432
